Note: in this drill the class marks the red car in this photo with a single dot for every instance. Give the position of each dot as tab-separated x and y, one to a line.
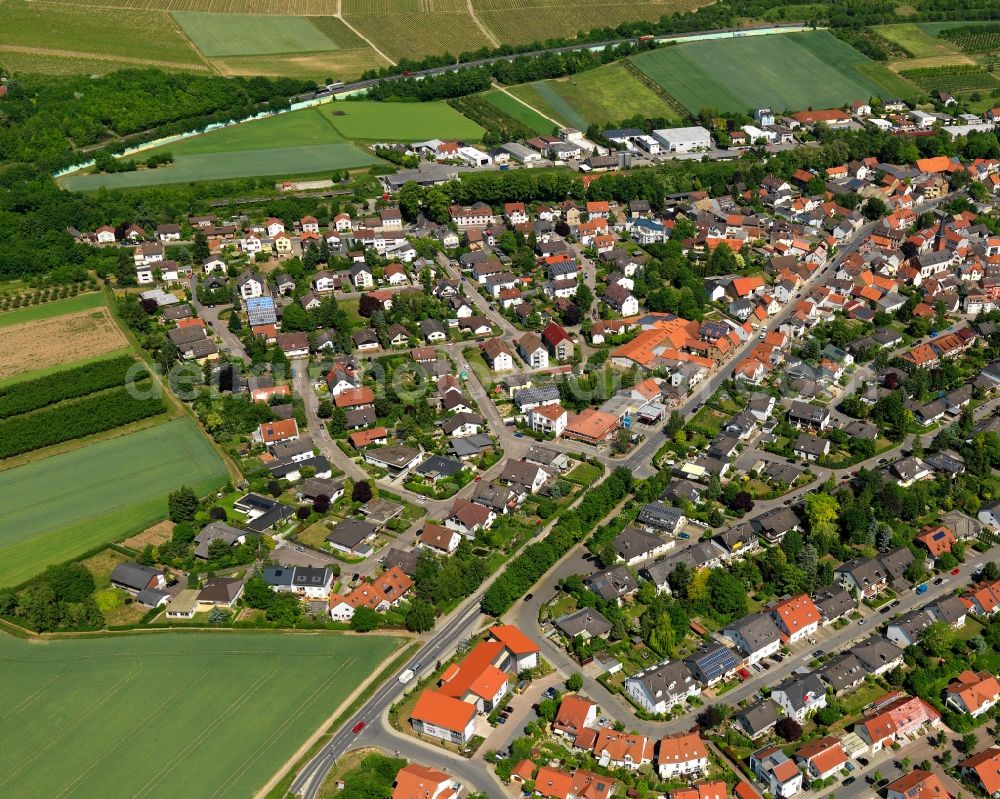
358	727
955	571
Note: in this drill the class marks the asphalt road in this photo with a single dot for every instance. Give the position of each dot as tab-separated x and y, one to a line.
377	732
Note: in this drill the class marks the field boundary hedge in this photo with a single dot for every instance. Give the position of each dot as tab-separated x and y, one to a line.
72	420
31	395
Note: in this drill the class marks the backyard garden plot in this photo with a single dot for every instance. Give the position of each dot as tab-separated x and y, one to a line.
62	506
170	714
81	31
787	71
46	342
407	122
244	34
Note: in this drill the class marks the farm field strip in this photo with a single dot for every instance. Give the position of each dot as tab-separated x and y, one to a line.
561	107
916	40
279	161
304	8
340	65
208	700
604	95
43	343
522	113
304	128
739	74
402	34
45	310
88	31
524	22
246	34
408	122
337	32
98	493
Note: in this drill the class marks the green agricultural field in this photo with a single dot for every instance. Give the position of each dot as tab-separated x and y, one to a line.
246	34
519	111
46	310
59	507
744	73
608	94
280	161
161	715
75	31
305	128
916	40
543	96
409	122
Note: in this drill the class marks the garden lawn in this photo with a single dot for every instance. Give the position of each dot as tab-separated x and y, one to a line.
47	310
740	74
161	715
370	121
586	474
281	161
60	507
248	34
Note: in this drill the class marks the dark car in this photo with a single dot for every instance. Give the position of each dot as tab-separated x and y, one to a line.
528	597
864	761
849	781
883	782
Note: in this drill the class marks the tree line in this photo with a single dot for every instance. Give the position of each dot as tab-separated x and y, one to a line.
48	118
85	417
67	384
526	569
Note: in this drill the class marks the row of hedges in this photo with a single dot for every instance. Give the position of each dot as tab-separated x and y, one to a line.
85	417
67	384
536	559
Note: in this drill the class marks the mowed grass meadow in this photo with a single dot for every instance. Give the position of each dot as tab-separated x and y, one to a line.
783	71
62	506
162	715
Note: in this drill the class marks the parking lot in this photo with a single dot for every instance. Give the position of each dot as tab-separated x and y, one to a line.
522	711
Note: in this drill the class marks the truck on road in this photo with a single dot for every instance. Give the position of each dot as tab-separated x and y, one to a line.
406	676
